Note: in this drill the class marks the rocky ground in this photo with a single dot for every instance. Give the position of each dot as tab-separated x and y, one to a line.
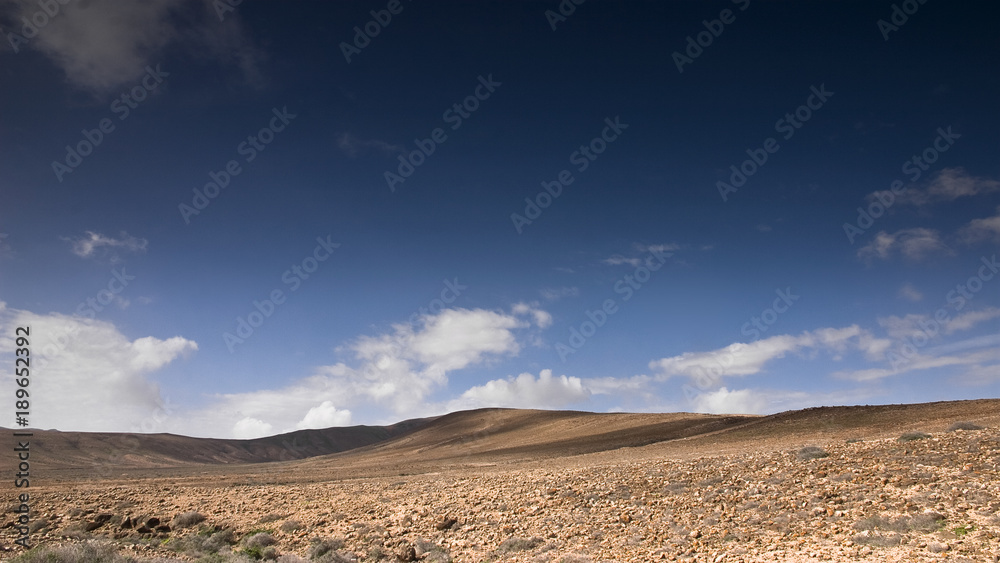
927	498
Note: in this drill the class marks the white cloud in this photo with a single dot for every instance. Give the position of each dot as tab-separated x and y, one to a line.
88	375
913	244
983	229
948	185
769	401
397	371
248	428
103	46
901	328
617	385
724	401
648	252
89	245
524	391
324	415
910	293
618	260
970	319
740	359
542	318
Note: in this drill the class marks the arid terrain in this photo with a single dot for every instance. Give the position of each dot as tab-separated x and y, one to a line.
873	483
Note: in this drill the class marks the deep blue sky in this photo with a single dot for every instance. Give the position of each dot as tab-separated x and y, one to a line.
350	344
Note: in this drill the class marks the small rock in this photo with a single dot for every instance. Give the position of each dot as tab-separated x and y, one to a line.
445	523
937	547
407	553
152	522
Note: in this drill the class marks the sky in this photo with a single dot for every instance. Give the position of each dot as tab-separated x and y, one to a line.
237	219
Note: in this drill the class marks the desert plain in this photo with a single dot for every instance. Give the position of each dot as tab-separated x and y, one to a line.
889	483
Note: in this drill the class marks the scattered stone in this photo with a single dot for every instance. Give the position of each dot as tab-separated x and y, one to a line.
407	553
937	547
445	523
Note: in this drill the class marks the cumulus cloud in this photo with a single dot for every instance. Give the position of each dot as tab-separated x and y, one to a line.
95	244
768	401
741	359
103	45
913	244
248	428
724	401
524	391
324	415
90	377
396	371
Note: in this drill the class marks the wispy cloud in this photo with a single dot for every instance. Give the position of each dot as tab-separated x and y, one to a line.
557	293
913	244
103	46
947	185
987	228
741	359
910	293
641	253
95	244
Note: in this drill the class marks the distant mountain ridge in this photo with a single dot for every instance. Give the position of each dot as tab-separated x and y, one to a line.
56	449
488	436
